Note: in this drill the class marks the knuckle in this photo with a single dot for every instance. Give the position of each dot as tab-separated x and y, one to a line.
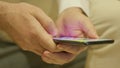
48	23
33	37
30	6
24	3
33	34
38	9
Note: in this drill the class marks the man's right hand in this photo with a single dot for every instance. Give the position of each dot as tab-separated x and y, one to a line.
28	26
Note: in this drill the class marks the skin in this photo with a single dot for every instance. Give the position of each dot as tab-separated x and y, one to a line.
28	26
72	22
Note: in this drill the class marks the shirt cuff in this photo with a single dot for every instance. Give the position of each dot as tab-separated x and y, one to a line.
83	4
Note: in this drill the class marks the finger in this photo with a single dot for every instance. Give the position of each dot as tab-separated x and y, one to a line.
47	60
38	50
71	49
50	60
39	35
45	21
88	29
60	27
69	28
60	57
75	33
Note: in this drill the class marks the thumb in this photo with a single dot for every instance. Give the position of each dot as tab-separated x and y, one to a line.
69	28
89	30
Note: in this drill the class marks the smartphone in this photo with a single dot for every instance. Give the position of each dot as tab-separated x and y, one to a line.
83	41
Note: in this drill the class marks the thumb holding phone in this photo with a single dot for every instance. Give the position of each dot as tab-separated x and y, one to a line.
70	24
75	24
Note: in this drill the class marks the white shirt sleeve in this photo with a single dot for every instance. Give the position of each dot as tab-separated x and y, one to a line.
83	4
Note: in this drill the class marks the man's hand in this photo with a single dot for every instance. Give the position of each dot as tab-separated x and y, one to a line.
67	54
28	26
74	23
71	23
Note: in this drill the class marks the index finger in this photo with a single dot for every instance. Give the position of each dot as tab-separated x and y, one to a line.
71	49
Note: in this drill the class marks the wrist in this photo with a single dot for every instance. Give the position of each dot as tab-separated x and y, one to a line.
81	4
75	9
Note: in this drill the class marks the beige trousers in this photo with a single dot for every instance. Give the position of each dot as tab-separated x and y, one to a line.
105	14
